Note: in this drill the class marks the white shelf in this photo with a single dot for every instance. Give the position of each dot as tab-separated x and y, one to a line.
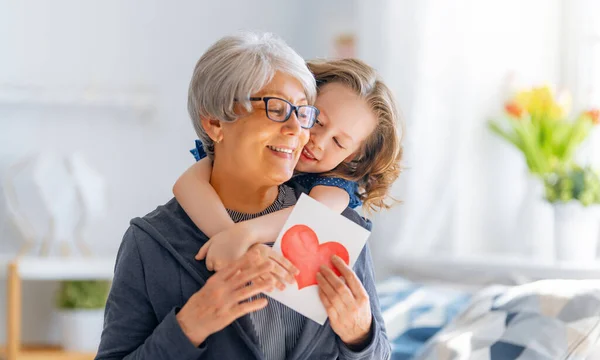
59	268
494	267
142	100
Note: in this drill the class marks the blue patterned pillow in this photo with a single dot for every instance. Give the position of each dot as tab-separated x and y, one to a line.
545	320
413	313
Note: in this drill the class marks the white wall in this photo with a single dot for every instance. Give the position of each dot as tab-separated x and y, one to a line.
120	45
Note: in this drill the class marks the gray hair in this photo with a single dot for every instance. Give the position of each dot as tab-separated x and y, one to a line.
235	67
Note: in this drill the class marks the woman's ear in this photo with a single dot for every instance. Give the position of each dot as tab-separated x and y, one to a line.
213	128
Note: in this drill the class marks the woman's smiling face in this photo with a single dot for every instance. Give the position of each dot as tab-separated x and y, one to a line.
261	149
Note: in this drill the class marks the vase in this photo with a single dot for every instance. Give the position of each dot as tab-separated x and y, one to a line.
576	231
81	329
535	220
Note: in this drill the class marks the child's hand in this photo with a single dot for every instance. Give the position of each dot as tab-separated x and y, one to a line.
226	247
230	245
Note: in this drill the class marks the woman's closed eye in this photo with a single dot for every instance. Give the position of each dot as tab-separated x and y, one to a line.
277	112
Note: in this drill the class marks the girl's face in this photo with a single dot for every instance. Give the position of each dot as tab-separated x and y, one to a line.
345	122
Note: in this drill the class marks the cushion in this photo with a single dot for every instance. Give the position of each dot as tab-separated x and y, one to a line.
414	312
544	320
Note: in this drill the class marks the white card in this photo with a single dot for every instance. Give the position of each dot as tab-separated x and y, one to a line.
334	234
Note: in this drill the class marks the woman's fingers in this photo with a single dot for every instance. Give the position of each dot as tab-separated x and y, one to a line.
281	275
246	275
336	289
256	287
247	261
326	288
247	307
324	299
331	311
352	280
286	264
281	270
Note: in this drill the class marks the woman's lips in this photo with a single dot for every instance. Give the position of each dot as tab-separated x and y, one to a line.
283	152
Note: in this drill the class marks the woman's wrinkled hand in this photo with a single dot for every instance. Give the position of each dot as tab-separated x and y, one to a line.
224	297
283	271
347	303
229	245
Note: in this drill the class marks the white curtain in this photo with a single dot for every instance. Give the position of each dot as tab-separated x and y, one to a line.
448	62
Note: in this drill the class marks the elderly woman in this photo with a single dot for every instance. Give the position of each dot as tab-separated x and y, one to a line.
164	304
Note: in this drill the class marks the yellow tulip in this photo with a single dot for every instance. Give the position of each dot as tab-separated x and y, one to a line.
540	101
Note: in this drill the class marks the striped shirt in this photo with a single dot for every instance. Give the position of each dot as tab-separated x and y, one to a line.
276	326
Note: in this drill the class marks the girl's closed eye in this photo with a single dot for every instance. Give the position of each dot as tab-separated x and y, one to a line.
338	143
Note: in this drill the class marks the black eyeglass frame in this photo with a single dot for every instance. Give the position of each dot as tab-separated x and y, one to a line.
293	108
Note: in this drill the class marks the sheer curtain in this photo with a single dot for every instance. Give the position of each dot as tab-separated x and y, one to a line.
448	62
580	69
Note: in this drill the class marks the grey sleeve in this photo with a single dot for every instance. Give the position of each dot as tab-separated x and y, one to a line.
131	328
378	348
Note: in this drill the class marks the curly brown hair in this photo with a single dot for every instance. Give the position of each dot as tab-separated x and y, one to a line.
377	164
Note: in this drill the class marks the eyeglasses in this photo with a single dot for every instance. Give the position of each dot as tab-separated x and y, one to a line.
280	110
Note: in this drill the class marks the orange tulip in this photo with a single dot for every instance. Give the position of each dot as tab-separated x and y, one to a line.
514	109
594	114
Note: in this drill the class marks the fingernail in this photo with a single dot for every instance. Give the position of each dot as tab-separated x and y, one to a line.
337	258
322	267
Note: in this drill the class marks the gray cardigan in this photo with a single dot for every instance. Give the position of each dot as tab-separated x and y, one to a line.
155	274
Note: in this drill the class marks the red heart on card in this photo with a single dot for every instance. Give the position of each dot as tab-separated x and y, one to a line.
300	245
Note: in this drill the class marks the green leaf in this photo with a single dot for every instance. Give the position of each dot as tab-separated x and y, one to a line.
89	294
510	137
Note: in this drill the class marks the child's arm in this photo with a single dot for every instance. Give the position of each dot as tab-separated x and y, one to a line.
336	198
200	201
266	228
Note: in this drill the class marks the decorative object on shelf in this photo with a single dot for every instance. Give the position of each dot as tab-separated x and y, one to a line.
344	46
27	268
537	123
50	198
81	305
575	194
534	221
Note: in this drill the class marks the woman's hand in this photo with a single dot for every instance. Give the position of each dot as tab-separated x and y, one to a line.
283	270
230	245
226	247
347	303
223	298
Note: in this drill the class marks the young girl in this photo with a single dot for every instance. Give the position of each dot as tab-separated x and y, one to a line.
351	158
